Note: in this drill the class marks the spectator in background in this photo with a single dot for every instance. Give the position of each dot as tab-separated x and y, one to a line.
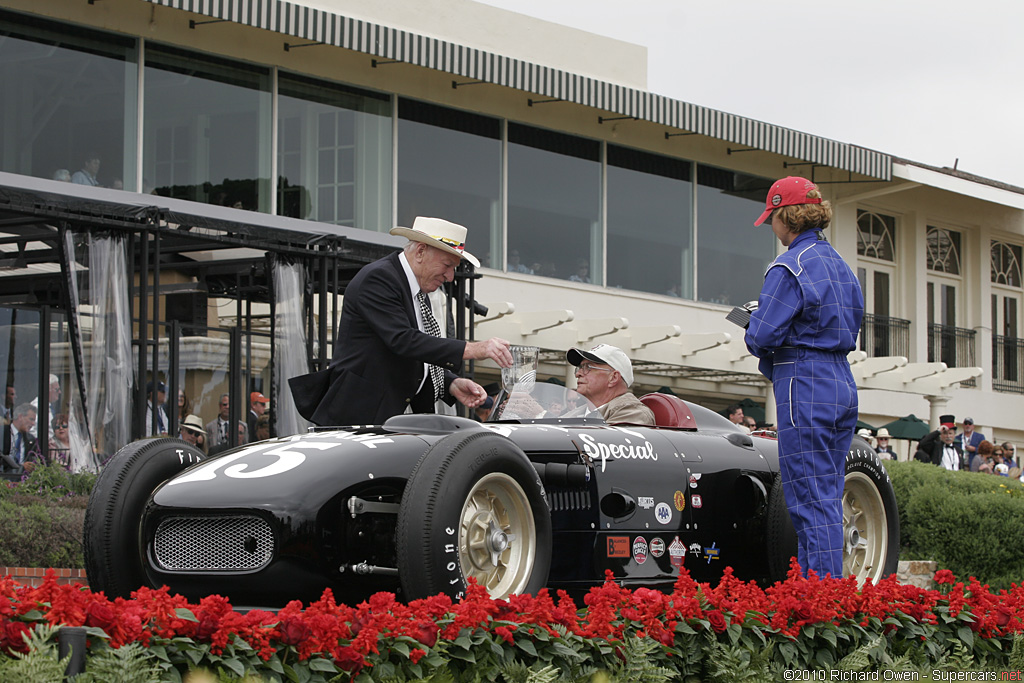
884	450
62	175
257	406
243	438
735	415
983	458
939	448
263	427
60	444
582	273
24	445
866	435
514	265
161	410
191	431
1010	453
10	400
90	169
217	429
53	405
969	440
749	422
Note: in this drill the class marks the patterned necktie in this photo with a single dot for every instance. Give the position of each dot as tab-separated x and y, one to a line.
19	457
432	328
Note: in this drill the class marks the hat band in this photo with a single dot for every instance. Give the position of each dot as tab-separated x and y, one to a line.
447	241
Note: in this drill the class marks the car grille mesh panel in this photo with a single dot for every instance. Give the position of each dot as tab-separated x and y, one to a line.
228	543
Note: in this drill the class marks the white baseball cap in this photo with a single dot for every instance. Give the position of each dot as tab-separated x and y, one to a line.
607	355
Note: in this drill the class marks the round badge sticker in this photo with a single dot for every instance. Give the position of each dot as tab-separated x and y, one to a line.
680	500
663	513
657	547
640	549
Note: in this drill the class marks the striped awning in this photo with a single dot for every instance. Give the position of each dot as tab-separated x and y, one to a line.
321	26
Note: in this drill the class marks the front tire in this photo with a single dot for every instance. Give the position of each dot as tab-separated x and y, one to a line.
114	558
473	507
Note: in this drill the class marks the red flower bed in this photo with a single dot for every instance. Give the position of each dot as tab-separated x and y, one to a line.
809	622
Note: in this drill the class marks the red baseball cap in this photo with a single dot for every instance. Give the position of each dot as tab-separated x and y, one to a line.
257	397
788	192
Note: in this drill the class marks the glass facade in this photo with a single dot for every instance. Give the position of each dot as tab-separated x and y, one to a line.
554	204
536	201
206	129
69	104
732	254
334	154
449	166
650	223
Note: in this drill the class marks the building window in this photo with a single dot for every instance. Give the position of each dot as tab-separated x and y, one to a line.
732	254
943	255
554	204
68	102
1006	260
650	222
206	133
876	235
334	154
449	166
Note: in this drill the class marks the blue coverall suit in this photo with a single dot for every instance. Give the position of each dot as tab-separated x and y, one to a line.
808	316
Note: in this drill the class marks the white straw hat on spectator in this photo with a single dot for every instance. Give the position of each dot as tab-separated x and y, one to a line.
440	234
883	433
194	423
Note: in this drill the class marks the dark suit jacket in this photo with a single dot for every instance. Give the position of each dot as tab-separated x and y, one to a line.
379	352
929	449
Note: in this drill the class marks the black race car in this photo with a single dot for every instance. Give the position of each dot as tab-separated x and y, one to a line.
547	494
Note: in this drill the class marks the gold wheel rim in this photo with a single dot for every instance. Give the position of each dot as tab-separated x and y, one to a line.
497	535
865	531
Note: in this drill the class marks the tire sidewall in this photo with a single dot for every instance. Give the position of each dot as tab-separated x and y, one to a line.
781	536
114	558
864	460
430	515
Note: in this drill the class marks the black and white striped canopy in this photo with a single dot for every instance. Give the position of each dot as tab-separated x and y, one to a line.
311	24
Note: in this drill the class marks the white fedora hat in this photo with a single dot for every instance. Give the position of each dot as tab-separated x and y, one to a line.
440	234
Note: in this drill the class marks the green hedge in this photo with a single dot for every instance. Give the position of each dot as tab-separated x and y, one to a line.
43	517
970	523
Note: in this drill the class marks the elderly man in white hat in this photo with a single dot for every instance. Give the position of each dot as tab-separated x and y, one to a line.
191	429
884	449
603	375
390	355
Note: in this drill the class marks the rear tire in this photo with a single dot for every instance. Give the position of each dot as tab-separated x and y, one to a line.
474	506
115	561
871	521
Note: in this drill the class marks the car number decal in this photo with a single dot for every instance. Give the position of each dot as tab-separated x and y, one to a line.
235	467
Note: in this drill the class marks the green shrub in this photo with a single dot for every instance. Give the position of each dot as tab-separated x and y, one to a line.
970	523
43	518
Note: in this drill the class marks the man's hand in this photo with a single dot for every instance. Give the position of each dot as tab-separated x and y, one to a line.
494	348
468	392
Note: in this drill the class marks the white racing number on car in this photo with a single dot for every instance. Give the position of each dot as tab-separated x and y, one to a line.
235	466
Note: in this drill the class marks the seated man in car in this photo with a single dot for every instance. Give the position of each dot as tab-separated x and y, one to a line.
603	375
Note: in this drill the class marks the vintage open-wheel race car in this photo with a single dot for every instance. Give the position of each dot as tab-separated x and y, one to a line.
546	494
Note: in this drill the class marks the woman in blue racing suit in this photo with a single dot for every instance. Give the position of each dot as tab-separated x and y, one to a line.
808	316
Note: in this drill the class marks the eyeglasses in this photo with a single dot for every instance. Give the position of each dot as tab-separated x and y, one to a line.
63	425
585	367
192	431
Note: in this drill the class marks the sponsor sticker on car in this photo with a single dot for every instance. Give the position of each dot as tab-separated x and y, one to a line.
646	502
694	479
640	549
712	553
657	547
618	546
676	552
679	498
696	501
663	513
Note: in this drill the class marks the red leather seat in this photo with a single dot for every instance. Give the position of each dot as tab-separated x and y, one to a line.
669	411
